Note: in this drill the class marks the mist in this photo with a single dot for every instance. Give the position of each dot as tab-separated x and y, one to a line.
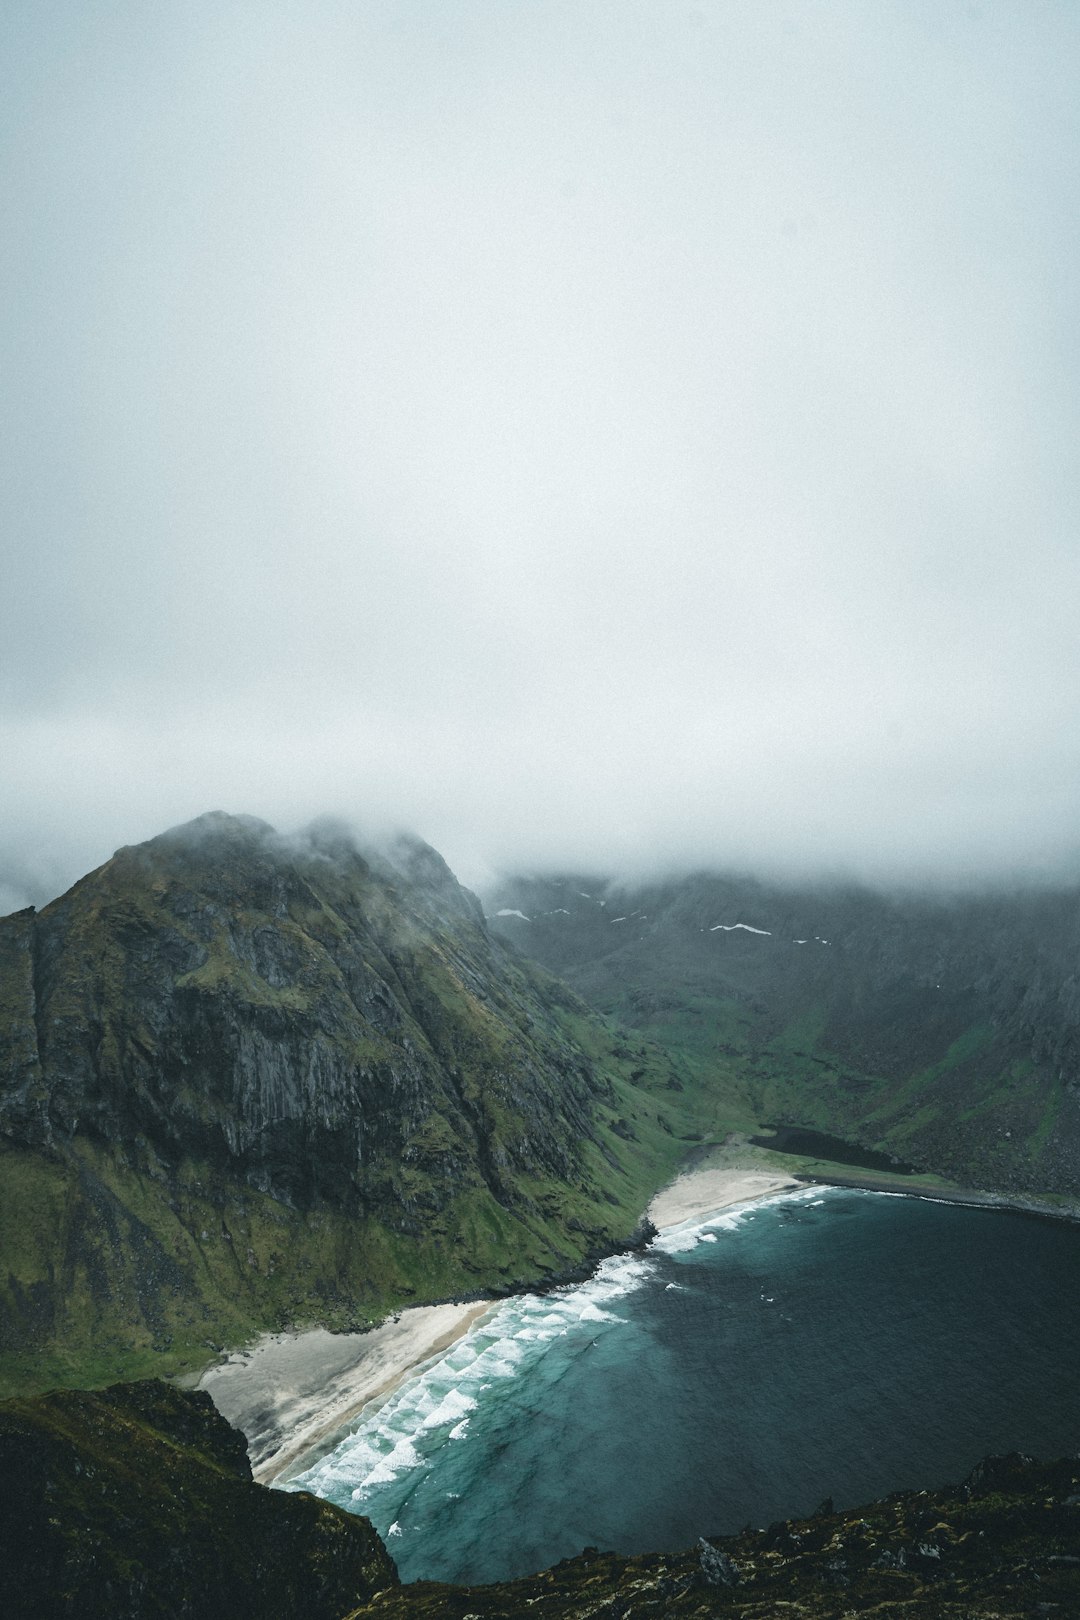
623	437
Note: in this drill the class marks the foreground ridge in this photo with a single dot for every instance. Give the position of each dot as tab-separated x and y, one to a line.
137	1501
1003	1545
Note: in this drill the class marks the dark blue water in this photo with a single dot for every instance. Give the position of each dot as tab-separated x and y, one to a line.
836	1344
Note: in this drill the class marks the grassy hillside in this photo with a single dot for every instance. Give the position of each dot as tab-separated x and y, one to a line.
942	1030
249	1083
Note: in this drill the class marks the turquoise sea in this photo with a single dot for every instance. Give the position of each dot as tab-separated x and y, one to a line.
826	1343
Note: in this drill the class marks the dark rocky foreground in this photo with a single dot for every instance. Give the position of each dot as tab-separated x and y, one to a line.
137	1502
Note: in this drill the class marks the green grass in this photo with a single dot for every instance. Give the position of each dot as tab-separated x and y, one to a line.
1044	1130
961	1051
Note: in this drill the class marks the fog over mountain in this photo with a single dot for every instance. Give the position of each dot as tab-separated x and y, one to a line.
606	437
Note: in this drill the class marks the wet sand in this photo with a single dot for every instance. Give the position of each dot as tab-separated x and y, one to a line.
291	1393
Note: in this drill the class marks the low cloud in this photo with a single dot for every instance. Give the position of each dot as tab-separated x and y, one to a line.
624	437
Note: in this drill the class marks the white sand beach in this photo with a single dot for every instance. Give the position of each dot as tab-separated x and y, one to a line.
700	1192
291	1393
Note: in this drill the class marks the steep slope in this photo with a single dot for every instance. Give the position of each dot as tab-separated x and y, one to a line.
247	1080
946	1030
138	1502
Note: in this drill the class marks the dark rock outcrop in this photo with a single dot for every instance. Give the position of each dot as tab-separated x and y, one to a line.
138	1502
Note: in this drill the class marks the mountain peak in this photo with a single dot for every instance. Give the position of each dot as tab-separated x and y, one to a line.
216	824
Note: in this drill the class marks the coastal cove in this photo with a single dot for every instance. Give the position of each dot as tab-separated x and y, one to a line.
293	1395
797	1344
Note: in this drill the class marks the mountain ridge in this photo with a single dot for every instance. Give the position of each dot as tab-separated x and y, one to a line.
249	1080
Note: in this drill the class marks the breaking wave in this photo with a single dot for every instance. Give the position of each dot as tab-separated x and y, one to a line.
688	1234
745	1364
397	1440
401	1436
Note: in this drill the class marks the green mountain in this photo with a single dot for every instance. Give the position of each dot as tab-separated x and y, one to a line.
248	1081
944	1030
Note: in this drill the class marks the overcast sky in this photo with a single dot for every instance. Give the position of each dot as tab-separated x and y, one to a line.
590	433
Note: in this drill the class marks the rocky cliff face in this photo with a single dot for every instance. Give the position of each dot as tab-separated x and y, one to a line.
946	1029
246	1079
138	1502
299	1013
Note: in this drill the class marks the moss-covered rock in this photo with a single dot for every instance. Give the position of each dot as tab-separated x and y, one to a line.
248	1082
137	1502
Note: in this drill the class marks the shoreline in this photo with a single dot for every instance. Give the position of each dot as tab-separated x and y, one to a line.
967	1196
709	1188
739	1155
293	1395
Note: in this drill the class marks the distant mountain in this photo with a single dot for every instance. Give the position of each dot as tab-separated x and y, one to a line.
945	1030
246	1080
249	1081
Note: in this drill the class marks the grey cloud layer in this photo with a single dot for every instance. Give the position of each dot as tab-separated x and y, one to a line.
611	433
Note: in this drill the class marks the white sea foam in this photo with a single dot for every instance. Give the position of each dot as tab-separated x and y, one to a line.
593	1313
452	1408
396	1438
703	1229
